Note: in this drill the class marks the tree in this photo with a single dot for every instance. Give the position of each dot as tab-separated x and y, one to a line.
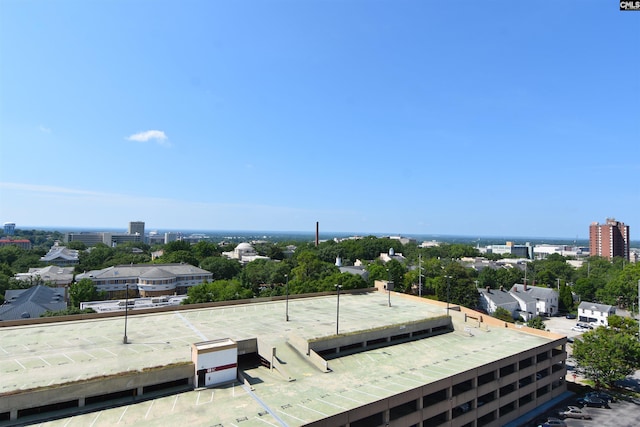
220	290
565	298
488	277
204	249
457	285
95	259
84	290
607	355
177	245
177	257
507	277
503	314
536	322
67	312
396	271
221	267
622	289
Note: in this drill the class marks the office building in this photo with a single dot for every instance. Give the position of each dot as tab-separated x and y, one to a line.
609	240
149	280
86	237
136	227
346	359
21	243
510	248
109	239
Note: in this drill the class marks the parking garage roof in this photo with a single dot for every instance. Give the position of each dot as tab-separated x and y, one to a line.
51	354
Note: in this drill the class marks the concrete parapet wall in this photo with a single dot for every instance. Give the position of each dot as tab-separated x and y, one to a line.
318	361
299	343
41	320
342	340
247	346
80	390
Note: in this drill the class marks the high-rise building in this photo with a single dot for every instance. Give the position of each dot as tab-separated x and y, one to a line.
9	228
609	240
136	227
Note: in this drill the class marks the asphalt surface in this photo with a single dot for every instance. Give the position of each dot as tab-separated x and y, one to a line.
622	414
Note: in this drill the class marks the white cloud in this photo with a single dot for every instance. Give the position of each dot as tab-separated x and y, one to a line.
151	135
44	129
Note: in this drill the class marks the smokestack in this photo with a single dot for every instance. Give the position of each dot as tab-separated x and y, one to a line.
525	286
317	233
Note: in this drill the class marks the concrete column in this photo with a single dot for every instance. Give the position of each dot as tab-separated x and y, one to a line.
139	391
13	415
81	402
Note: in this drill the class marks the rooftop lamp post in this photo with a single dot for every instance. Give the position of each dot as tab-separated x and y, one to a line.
286	317
338	287
389	286
448	288
126	311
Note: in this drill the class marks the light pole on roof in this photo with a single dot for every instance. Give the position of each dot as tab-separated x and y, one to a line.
126	311
286	317
338	287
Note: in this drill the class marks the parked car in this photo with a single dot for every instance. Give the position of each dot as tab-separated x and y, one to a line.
592	401
553	422
584	325
602	395
571	316
575	412
578	329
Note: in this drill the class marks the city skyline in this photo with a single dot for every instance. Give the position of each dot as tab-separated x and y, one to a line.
279	235
381	118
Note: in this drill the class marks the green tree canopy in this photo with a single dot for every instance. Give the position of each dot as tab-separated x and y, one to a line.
67	312
607	355
221	267
565	299
536	322
503	314
220	290
84	290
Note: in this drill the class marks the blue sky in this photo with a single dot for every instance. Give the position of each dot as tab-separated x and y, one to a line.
409	117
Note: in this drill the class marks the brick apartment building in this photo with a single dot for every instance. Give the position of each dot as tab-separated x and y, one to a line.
609	240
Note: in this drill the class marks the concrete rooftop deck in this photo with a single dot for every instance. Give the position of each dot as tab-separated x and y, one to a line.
49	354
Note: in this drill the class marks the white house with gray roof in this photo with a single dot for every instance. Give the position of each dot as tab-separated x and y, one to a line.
522	301
595	313
546	298
491	299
